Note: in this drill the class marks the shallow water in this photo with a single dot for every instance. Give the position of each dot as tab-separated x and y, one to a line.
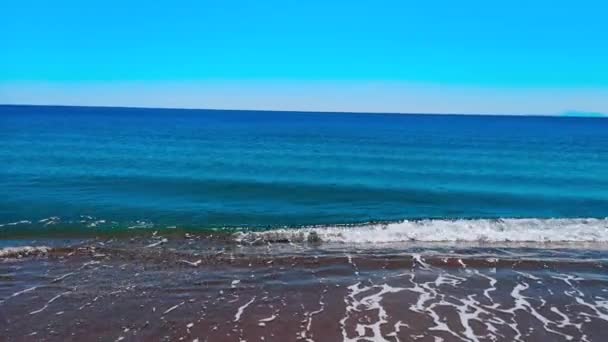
171	288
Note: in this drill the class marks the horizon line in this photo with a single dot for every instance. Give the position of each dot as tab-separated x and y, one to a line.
565	114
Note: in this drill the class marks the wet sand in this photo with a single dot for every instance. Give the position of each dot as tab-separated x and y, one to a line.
189	289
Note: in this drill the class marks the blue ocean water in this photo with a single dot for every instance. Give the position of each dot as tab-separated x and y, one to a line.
199	168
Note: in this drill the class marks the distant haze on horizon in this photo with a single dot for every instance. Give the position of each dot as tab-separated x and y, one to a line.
475	57
313	96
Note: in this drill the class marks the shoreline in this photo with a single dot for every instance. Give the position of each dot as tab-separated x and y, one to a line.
170	289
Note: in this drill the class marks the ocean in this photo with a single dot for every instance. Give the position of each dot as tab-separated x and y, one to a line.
200	169
301	226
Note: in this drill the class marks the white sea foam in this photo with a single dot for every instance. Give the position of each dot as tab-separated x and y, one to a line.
12	252
241	309
15	223
477	230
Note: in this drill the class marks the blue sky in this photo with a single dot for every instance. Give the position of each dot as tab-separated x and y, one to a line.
536	57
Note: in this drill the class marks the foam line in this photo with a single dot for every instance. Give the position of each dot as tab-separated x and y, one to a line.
241	309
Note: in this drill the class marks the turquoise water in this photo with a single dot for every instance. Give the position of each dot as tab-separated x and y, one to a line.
95	167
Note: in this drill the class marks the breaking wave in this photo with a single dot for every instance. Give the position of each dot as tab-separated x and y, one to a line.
17	252
477	230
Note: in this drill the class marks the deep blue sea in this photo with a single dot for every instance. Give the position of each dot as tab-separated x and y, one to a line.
119	168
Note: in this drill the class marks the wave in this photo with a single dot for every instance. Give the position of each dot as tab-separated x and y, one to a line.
535	230
18	252
470	230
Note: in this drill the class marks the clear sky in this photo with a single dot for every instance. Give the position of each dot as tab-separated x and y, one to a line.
518	57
